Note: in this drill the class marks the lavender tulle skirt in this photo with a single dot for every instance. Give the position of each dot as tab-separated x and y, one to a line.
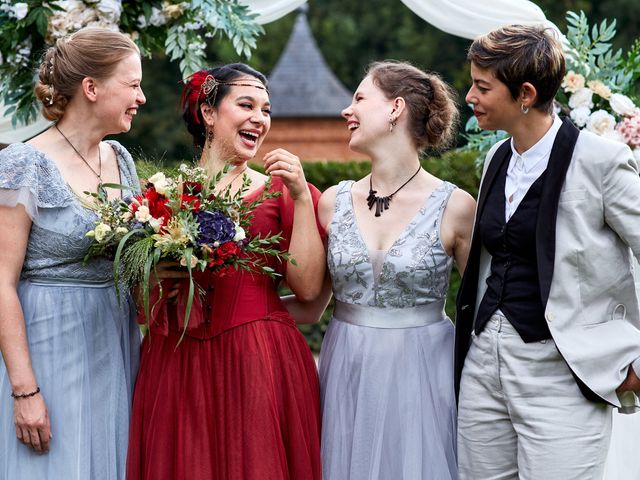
388	404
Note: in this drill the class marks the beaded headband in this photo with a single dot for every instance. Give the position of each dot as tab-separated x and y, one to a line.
193	97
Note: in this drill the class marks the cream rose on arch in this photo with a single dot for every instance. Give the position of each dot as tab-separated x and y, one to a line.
572	81
601	122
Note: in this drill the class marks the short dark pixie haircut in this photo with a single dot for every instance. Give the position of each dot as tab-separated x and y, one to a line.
523	53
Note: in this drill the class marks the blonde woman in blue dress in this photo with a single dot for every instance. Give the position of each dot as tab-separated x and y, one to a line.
386	366
70	350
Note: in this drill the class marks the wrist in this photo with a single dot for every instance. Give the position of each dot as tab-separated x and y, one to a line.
18	395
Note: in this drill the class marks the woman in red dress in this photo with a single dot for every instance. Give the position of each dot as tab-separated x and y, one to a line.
239	397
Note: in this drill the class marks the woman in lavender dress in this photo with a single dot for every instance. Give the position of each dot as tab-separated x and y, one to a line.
70	349
386	366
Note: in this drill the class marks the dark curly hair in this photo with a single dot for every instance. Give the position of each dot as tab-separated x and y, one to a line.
194	95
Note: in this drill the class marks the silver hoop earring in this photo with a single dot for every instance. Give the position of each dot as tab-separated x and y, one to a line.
524	109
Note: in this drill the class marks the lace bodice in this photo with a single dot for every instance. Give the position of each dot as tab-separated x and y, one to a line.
57	242
415	270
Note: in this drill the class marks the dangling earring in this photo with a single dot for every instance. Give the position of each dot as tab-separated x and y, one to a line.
209	136
392	123
524	109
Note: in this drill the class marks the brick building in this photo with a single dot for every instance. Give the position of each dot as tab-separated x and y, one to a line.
307	99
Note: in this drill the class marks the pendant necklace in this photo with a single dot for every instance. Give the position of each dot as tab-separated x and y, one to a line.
382	203
99	172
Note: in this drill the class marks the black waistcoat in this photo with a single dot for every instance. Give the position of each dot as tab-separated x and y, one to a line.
513	285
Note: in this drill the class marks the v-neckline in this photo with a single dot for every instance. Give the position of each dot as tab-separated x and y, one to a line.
403	232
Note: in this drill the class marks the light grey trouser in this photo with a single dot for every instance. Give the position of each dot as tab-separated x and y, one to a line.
521	414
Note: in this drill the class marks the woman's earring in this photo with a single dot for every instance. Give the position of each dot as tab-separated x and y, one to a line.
392	123
209	135
524	109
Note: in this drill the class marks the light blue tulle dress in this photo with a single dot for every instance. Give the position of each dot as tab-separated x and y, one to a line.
84	346
386	366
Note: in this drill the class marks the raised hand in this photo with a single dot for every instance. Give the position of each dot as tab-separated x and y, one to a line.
283	164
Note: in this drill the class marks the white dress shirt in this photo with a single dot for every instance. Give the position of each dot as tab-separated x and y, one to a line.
525	168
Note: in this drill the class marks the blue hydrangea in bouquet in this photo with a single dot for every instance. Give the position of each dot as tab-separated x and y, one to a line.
181	219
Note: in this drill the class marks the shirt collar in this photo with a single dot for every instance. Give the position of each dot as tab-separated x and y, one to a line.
541	150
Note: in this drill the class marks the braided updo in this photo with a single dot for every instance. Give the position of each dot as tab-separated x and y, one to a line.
433	113
90	52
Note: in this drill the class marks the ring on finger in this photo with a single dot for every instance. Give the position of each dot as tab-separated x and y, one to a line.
290	167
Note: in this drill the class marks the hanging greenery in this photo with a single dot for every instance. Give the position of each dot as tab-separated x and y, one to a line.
180	29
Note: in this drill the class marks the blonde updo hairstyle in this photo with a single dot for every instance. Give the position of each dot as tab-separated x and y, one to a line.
89	52
433	112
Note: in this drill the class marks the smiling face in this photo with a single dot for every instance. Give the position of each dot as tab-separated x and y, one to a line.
122	95
367	116
493	105
241	120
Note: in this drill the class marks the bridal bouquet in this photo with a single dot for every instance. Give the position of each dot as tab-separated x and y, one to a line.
180	219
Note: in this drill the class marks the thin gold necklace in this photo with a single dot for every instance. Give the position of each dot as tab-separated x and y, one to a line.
99	172
228	185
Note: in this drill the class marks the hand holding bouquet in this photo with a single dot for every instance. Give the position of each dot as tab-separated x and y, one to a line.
181	219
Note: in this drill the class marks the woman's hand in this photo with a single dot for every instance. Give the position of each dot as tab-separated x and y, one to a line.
286	165
31	418
166	275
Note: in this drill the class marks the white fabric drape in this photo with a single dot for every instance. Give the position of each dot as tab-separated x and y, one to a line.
463	18
470	18
9	134
271	10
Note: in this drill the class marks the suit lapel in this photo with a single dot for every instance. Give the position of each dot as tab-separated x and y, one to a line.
559	160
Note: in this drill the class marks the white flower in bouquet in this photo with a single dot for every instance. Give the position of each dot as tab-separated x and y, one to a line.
581	98
142	214
622	105
20	10
601	122
101	231
194	261
240	234
599	88
580	115
156	224
160	183
121	230
572	81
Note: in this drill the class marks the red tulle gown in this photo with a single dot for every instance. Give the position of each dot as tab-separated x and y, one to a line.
238	399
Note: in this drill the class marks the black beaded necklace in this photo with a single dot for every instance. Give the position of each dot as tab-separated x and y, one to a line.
382	203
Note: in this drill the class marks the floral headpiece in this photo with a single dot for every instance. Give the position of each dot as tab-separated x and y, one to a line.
202	87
